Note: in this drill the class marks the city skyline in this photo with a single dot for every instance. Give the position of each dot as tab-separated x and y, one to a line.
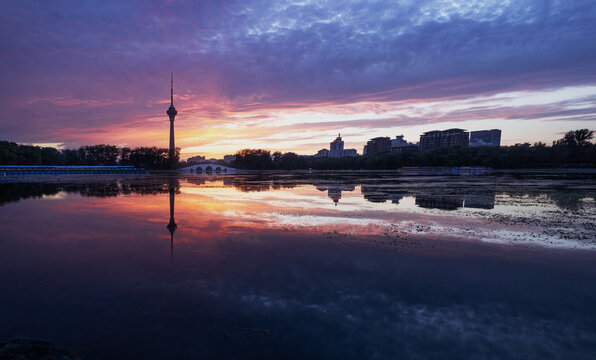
288	76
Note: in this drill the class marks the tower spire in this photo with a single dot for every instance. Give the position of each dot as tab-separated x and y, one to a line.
172	88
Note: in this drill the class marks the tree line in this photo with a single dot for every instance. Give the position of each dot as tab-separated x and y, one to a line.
573	150
143	157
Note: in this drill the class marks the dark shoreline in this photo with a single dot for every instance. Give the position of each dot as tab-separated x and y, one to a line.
114	176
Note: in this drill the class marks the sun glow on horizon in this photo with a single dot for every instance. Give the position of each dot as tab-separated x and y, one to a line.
307	129
289	77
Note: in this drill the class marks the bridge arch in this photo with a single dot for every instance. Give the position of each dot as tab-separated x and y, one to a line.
207	168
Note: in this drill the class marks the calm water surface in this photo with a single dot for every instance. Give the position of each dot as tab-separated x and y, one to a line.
299	266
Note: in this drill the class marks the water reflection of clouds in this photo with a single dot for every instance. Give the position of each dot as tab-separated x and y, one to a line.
377	194
394	212
476	329
302	196
413	309
475	210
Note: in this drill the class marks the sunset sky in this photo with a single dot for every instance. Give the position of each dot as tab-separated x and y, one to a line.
290	75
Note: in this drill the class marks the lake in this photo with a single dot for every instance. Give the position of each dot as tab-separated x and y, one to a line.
301	266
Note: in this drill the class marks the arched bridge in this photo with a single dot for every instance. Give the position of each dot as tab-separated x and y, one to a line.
207	169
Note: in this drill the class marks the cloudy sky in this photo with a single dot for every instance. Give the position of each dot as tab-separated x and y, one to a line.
290	75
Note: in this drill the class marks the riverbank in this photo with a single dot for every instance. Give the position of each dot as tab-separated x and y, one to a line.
108	176
34	170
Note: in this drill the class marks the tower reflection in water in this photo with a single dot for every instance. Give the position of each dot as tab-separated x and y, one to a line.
173	186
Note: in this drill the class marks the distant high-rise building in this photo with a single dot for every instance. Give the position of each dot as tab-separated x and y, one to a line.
377	145
337	145
322	153
437	139
336	150
399	144
196	159
485	138
398	141
172	114
229	158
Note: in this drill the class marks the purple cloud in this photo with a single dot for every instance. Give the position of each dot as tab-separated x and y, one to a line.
236	56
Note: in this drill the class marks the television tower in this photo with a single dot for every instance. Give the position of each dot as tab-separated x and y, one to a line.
172	114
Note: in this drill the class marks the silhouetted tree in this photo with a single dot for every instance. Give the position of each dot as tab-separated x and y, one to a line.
9	153
291	161
574	149
147	157
51	156
71	157
99	154
257	159
150	157
276	158
580	137
124	156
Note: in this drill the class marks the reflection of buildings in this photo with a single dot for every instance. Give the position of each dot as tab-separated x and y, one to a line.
480	201
334	190
172	224
456	201
378	194
440	202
